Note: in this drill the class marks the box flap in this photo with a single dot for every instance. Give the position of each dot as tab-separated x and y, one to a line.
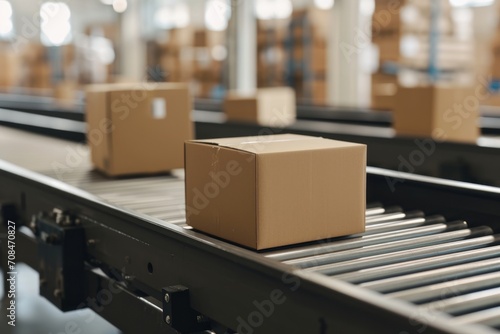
276	143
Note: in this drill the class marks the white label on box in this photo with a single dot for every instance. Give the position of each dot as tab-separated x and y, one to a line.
159	108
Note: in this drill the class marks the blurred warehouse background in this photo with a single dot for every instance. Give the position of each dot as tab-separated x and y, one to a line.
343	53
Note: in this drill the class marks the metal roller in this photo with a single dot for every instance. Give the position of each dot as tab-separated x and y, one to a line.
153	203
131	184
440	290
385	217
433	276
400	224
466	303
139	202
398	269
389	217
139	185
363	241
406	255
375	211
163	209
388	247
490	317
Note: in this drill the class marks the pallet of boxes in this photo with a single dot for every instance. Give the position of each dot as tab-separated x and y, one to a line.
174	55
273	107
305	47
37	68
209	53
271	61
494	98
434	102
401	32
10	75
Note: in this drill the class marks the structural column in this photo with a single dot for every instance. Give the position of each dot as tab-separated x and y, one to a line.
349	54
242	46
133	58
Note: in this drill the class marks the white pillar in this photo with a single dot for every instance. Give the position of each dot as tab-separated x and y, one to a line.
348	74
133	57
242	46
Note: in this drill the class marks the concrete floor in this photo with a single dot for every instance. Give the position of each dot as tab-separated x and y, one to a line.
35	315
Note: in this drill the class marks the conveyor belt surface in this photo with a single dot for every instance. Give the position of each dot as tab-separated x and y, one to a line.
437	264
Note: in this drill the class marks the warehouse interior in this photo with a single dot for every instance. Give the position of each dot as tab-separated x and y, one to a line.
272	166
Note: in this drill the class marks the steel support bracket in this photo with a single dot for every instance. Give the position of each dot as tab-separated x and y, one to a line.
61	251
177	311
7	212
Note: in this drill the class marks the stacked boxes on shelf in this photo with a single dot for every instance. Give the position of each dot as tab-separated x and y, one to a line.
386	34
191	56
271	52
455	45
402	33
305	46
494	70
38	71
175	67
10	72
209	54
96	70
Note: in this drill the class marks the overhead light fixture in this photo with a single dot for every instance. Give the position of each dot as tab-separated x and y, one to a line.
273	9
367	7
471	3
5	9
55	25
324	4
120	6
6	26
217	14
168	17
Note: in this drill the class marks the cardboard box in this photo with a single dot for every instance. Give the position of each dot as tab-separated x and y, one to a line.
41	75
317	91
267	106
388	47
34	53
384	96
138	129
383	92
439	112
386	16
495	67
319	59
276	190
492	100
66	91
10	66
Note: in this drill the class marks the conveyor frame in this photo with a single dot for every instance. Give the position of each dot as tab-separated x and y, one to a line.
226	281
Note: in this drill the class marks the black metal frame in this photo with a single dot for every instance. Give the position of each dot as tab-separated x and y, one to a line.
228	284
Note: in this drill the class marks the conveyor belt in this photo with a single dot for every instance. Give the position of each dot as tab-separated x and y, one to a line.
439	265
